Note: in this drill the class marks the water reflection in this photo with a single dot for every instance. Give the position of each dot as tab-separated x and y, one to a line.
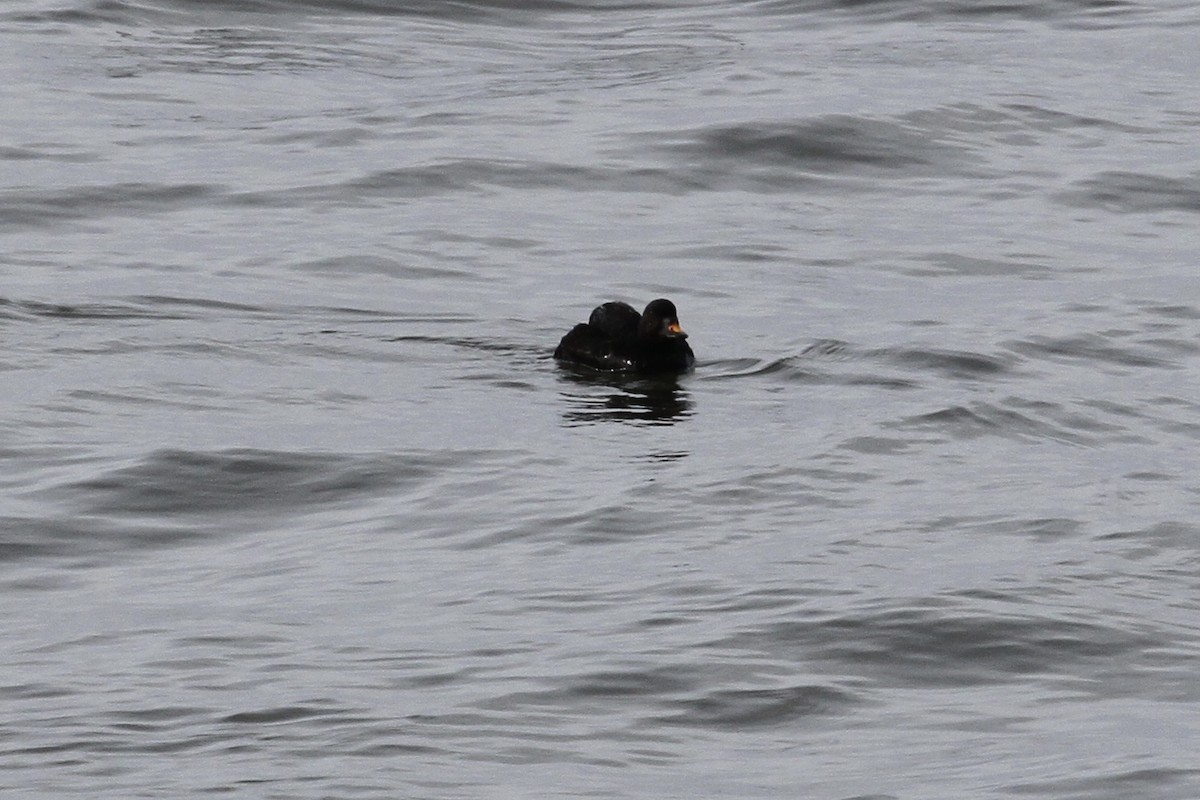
597	397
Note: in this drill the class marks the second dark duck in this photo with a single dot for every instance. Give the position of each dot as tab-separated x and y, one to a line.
616	338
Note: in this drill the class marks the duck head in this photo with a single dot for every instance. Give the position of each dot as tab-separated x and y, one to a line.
660	321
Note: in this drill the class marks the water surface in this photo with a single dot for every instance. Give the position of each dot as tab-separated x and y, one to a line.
294	501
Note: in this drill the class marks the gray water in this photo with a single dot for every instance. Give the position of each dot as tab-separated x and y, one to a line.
295	503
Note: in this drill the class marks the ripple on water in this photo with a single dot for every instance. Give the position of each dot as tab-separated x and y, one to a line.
176	497
1135	193
593	398
1105	351
925	646
774	156
840	363
26	208
1113	784
185	482
988	419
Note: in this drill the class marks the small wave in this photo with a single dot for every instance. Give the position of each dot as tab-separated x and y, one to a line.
1170	535
1039	118
785	366
22	208
835	362
956	264
444	177
185	482
279	714
951	363
987	419
613	687
47	152
1074	13
824	141
936	646
178	497
30	310
775	492
770	156
503	11
1099	349
801	366
200	304
1036	528
227	49
1151	782
277	12
82	538
171	307
676	696
395	268
739	709
1172	311
87	12
1135	193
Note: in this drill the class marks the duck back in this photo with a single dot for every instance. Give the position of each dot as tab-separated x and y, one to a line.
586	344
618	321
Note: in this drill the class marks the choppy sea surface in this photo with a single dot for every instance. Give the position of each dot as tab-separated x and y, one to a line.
295	503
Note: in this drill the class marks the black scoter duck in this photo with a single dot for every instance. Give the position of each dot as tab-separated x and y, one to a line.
619	339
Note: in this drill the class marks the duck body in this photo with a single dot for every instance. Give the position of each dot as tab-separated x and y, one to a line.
616	338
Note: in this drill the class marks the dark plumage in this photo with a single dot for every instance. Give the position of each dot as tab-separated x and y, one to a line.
619	339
